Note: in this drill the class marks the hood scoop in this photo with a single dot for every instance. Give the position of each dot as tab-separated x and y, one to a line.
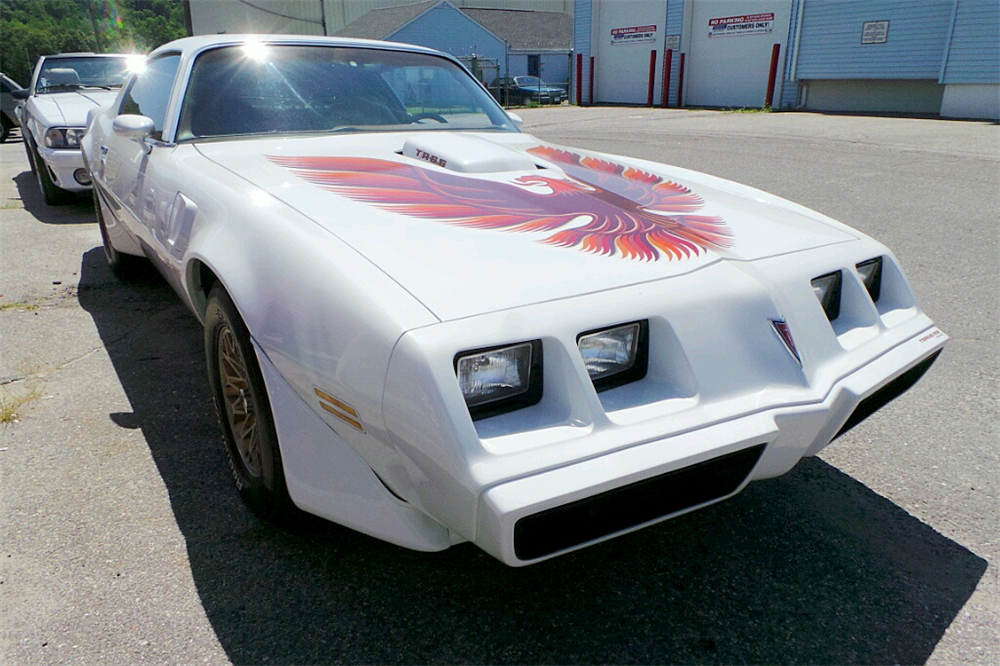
466	154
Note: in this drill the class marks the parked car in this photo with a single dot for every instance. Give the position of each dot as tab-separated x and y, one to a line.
8	106
520	90
63	89
429	326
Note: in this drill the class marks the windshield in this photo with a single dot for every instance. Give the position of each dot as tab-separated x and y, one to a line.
529	81
59	74
276	89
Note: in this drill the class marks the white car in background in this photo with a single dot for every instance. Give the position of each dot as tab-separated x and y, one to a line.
63	89
429	326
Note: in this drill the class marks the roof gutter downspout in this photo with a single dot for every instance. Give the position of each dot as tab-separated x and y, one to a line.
798	39
947	42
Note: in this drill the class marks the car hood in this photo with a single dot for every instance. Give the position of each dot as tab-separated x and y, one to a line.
70	108
473	223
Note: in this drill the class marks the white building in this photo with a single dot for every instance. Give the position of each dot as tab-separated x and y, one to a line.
916	56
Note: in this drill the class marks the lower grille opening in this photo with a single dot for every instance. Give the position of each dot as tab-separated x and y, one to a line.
615	510
887	393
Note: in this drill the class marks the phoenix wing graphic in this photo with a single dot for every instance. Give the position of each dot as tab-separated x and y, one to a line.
604	208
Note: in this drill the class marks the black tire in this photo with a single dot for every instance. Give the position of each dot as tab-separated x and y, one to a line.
244	411
5	127
126	267
52	193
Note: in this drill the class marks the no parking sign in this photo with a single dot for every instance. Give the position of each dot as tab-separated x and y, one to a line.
733	26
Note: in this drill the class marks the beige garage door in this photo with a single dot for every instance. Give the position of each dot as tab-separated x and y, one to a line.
729	52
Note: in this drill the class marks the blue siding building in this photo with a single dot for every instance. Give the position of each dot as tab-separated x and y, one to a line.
929	46
582	20
970	70
493	43
446	28
917	56
832	47
790	91
675	26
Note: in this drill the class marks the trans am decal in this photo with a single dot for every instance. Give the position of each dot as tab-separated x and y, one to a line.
604	207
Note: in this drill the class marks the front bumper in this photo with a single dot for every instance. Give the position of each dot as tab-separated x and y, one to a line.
541	516
543	97
62	164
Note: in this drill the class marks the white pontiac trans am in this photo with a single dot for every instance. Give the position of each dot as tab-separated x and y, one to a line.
428	326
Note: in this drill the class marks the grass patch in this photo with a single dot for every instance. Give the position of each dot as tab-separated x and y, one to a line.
11	404
18	305
751	109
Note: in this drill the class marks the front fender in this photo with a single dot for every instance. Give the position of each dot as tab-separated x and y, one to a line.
322	314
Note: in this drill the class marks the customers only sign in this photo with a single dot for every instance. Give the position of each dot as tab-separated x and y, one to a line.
637	34
734	26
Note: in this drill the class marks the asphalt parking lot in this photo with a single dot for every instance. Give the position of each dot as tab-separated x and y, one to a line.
123	542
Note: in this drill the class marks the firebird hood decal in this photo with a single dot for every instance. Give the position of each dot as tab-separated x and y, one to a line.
602	207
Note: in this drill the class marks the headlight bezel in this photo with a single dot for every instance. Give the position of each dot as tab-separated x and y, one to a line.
64	138
872	280
639	356
829	299
532	393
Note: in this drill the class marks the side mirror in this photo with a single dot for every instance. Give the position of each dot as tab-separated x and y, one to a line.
22	94
136	128
518	120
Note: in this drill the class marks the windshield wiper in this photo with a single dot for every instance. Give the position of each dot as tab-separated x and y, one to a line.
72	86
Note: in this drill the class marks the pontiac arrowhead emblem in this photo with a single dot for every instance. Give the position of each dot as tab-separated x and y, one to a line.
780	327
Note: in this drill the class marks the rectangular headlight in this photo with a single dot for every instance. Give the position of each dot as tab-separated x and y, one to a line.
871	274
64	137
500	379
827	290
617	355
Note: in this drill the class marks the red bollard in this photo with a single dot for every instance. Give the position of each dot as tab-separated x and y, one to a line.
668	59
775	51
579	79
652	77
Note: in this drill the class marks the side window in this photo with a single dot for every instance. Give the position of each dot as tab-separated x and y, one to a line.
4	87
150	91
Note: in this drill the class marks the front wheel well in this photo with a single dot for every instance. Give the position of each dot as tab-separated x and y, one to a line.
202	279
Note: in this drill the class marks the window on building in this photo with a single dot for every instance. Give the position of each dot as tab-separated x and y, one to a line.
534	65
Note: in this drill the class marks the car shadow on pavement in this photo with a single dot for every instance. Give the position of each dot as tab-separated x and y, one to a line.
79	211
810	568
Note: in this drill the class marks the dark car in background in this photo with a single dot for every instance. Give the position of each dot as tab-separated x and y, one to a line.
8	106
520	90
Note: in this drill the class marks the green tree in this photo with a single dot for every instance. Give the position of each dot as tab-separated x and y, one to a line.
151	23
31	28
